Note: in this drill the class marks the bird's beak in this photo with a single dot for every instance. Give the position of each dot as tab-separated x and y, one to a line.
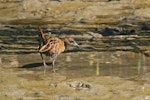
76	45
44	48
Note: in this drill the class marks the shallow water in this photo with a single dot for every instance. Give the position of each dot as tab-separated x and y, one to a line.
122	55
81	64
78	64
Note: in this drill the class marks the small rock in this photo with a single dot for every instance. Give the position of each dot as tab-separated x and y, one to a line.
53	85
115	92
37	94
64	97
79	85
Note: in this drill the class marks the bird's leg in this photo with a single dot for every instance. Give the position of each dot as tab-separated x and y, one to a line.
44	63
53	64
54	56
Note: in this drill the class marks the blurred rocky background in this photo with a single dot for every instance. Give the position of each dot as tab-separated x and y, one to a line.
95	12
88	19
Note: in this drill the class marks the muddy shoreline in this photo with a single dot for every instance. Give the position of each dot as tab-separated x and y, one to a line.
90	77
112	62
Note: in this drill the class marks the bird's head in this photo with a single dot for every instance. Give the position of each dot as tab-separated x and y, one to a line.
71	41
51	42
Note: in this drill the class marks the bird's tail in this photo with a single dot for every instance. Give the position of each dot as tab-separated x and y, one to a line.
42	38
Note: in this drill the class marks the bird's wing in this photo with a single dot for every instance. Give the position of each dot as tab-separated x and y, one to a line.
42	37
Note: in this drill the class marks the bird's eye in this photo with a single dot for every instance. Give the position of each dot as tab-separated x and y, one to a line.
50	43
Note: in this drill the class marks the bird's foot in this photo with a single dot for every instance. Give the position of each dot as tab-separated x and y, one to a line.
45	67
54	70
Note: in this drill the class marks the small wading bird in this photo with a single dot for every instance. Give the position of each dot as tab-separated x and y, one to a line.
53	46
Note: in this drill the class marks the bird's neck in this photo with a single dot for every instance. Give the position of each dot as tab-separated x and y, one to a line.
66	44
